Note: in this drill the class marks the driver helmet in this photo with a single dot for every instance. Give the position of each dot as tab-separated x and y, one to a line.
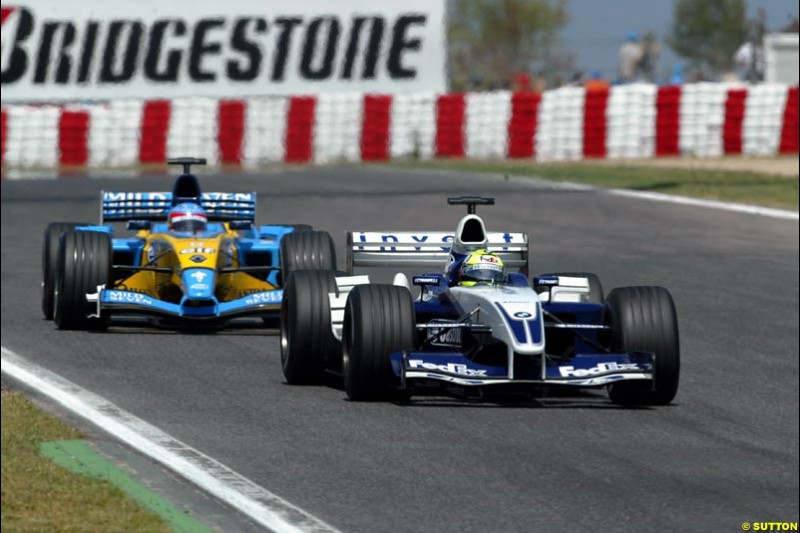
481	268
188	218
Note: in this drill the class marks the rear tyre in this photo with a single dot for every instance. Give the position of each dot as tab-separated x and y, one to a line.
84	262
379	320
50	263
596	294
643	319
306	250
307	341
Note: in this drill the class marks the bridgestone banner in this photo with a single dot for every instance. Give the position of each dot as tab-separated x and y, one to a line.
95	49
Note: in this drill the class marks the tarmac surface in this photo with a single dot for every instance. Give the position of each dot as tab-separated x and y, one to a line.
725	452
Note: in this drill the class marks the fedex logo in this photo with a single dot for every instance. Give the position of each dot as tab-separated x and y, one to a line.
450	368
602	368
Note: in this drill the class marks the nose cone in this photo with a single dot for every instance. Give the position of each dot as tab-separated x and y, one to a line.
198	283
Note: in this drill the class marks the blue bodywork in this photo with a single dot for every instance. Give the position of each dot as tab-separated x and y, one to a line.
198	301
148	210
264	240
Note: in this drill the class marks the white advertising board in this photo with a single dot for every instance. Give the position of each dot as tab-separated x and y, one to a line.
781	55
95	49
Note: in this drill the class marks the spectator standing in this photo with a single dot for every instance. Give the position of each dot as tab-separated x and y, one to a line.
743	59
677	75
596	81
749	61
630	55
650	52
523	83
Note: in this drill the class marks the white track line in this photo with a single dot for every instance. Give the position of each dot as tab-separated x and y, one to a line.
261	505
711	204
659	197
541	183
15	175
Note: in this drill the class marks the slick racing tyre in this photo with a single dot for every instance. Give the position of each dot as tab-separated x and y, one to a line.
307	341
50	263
378	320
643	319
306	250
596	294
84	262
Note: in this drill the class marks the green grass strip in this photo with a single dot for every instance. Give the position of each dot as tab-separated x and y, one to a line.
77	456
745	187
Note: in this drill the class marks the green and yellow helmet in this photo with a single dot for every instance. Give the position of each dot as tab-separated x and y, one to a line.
481	268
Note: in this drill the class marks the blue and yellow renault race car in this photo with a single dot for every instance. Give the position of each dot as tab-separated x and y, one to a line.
195	259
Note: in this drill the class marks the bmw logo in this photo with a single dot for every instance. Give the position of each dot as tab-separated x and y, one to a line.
522	314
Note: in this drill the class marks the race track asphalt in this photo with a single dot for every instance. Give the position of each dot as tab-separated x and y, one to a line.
724	453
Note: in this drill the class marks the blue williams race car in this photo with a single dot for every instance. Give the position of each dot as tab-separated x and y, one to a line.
195	259
478	323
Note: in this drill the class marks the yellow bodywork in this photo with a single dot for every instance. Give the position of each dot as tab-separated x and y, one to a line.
177	253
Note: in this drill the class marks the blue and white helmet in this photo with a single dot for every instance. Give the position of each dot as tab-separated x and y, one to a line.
188	218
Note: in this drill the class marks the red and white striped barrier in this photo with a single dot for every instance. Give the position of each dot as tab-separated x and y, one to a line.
631	121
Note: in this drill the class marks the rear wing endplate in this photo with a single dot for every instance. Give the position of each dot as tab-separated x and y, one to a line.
426	249
219	206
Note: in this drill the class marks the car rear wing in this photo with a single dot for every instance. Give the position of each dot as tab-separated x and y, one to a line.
426	249
219	206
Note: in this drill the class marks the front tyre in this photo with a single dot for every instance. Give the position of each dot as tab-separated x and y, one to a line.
379	320
307	341
643	319
84	263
